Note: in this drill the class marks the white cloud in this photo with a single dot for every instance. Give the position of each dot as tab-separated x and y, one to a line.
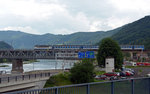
30	9
68	16
131	5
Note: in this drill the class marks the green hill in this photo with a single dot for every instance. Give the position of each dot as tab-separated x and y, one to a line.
137	33
4	45
24	40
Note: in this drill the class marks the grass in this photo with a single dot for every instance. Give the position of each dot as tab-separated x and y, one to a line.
58	80
30	61
64	79
135	66
4	65
100	72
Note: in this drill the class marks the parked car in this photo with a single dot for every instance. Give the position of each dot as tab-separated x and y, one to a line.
128	69
114	78
123	78
101	77
128	73
148	74
123	73
111	74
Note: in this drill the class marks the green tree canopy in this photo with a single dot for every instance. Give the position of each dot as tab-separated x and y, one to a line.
109	48
82	72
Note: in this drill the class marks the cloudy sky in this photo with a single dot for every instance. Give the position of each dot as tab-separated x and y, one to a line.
69	16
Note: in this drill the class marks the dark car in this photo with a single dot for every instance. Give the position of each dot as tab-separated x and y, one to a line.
123	73
114	78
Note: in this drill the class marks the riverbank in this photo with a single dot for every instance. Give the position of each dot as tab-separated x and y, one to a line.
4	65
52	71
41	65
30	61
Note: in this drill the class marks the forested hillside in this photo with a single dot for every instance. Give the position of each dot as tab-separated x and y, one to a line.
4	45
137	33
24	40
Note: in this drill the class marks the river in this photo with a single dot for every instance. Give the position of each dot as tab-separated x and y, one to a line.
42	65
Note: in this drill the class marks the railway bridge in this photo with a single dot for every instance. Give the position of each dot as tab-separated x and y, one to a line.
19	55
66	52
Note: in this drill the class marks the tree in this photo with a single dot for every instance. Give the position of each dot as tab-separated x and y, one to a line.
82	72
109	48
127	55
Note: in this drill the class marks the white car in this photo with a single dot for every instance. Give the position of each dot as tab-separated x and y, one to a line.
148	74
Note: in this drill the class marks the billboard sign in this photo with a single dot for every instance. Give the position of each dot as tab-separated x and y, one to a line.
87	54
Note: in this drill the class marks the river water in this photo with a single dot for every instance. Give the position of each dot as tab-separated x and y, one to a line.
42	65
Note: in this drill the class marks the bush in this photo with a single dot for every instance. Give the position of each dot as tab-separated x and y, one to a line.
82	72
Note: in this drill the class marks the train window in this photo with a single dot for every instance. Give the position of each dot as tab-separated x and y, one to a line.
129	46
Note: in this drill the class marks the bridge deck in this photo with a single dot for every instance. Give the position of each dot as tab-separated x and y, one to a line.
69	54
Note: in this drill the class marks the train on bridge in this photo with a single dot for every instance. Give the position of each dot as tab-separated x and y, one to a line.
86	47
48	47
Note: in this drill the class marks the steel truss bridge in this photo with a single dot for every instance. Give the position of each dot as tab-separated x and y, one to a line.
17	56
27	54
41	54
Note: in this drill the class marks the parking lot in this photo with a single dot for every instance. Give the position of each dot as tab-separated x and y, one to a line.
134	72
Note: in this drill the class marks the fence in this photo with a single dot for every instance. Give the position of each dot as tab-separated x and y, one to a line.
127	86
25	77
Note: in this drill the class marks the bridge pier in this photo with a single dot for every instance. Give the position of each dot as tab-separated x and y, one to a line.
17	66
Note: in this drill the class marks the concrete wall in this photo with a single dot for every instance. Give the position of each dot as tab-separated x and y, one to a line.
32	83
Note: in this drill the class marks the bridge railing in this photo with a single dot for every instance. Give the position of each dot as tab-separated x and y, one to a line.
24	77
127	86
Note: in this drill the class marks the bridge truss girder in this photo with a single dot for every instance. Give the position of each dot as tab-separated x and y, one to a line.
27	54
